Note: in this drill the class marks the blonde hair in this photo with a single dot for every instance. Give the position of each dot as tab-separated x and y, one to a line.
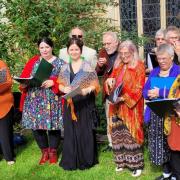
131	47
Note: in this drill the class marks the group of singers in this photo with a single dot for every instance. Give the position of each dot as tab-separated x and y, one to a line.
47	113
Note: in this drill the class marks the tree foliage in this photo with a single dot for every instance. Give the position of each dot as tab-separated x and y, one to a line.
31	19
28	20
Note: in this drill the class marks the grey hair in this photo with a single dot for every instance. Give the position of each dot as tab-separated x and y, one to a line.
112	34
165	48
173	29
70	34
131	47
160	32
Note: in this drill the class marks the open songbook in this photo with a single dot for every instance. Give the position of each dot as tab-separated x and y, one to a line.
73	93
43	73
164	106
115	93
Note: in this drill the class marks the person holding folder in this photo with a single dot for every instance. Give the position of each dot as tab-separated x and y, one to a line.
157	141
41	105
6	114
80	117
126	115
151	60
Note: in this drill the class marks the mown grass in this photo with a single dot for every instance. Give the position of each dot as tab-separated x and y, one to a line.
27	168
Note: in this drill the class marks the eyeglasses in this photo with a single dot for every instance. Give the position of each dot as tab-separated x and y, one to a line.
174	37
77	36
106	44
126	54
158	39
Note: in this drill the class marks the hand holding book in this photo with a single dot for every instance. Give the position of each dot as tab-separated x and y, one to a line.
47	83
113	89
109	84
153	93
42	74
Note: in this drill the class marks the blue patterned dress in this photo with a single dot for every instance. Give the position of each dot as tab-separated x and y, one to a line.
42	107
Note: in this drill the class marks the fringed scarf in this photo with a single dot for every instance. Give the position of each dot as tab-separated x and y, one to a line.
86	77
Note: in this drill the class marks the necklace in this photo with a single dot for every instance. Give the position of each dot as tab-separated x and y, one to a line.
164	73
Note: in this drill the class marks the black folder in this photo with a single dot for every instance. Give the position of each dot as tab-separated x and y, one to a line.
153	58
163	106
43	73
115	93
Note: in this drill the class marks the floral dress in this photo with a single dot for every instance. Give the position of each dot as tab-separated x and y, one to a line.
42	108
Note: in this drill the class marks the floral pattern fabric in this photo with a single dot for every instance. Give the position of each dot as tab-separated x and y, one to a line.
42	108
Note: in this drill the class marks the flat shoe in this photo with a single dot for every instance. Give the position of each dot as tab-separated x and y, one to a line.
136	172
118	169
10	162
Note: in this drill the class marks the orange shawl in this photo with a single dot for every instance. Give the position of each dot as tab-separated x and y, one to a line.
131	110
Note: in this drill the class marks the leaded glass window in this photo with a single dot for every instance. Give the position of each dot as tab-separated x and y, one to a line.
128	14
173	12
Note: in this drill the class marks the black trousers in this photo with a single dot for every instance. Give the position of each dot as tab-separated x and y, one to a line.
175	163
6	136
47	139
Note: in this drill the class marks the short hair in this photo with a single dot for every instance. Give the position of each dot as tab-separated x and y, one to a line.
160	32
112	34
171	28
76	27
76	41
46	40
131	47
165	48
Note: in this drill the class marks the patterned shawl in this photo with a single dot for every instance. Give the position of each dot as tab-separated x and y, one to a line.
84	78
131	110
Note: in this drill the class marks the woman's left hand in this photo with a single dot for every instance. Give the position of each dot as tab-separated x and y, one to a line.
87	90
153	93
47	84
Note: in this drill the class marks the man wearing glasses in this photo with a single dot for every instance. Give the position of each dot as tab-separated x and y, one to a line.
88	54
106	59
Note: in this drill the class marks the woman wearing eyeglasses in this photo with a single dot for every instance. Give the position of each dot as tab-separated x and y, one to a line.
126	114
151	60
157	140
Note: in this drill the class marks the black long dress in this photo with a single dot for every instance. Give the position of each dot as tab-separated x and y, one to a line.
79	146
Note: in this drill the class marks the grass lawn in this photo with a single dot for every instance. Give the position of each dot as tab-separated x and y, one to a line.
26	167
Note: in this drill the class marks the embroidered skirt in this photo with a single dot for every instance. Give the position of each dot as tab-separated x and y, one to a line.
127	152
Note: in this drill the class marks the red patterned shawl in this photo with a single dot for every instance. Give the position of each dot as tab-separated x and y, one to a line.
131	110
